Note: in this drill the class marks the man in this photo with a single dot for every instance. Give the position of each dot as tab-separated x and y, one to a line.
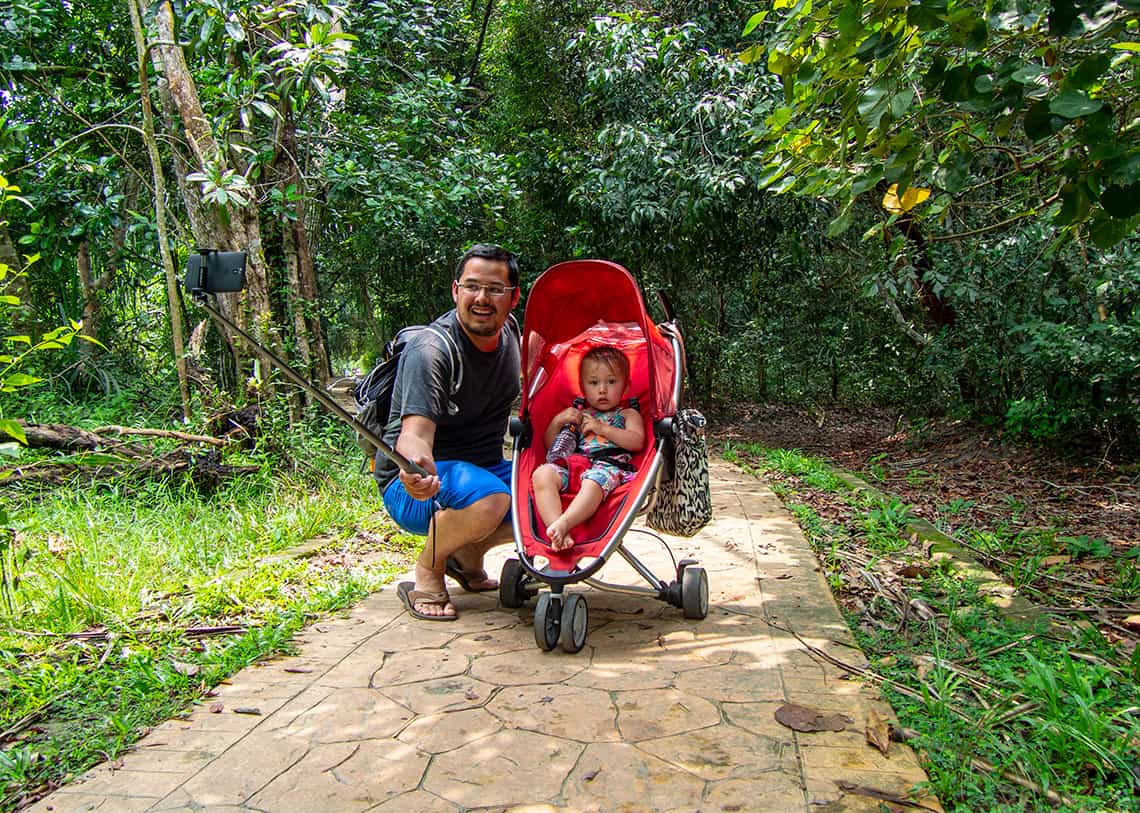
463	505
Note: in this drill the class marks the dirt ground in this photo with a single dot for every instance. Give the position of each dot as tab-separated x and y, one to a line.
929	465
1052	513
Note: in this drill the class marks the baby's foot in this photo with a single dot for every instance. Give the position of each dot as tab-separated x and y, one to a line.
559	535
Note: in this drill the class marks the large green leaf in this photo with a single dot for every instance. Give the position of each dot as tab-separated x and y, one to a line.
1073	104
1106	231
1089	71
873	104
13	429
958	85
1075	203
1121	201
1040	122
927	16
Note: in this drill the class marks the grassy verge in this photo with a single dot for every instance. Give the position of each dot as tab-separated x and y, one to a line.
1004	717
147	573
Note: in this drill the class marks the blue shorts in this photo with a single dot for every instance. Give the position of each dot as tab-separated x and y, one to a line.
460	484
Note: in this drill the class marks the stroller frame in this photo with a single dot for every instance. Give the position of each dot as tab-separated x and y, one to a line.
562	617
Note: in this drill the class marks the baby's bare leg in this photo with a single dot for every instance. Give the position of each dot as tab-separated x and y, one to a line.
580	509
547	482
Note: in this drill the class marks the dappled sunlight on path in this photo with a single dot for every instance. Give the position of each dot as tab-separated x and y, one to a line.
381	712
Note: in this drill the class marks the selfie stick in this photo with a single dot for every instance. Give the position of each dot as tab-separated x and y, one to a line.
327	401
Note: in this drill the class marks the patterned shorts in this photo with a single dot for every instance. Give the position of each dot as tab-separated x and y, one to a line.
605	475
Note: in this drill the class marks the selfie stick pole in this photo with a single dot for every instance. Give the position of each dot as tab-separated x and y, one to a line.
327	401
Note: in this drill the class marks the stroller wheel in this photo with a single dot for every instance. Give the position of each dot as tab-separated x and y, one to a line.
575	620
547	621
695	592
512	594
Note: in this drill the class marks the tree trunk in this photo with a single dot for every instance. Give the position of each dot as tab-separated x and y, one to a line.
173	302
221	227
940	311
15	283
299	256
482	36
90	293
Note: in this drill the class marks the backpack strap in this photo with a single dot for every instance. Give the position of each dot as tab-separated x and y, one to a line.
455	356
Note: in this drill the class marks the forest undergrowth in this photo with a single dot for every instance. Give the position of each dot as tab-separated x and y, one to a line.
1006	716
123	601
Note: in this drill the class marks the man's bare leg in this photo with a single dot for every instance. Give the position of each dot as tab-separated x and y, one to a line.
467	533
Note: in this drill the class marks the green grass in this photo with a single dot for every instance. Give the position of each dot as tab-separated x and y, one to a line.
143	561
1057	707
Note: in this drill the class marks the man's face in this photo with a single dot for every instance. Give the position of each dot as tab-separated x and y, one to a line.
482	314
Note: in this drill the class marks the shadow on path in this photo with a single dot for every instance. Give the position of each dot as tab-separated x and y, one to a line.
381	712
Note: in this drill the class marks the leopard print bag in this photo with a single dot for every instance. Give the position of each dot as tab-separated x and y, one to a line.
681	504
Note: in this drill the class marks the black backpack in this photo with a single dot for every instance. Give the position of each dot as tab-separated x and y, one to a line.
373	394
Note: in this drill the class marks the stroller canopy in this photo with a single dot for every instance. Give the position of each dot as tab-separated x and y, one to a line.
573	297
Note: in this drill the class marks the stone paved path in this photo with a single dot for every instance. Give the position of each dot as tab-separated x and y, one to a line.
381	712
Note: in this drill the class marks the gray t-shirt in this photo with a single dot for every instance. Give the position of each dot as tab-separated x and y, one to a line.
469	426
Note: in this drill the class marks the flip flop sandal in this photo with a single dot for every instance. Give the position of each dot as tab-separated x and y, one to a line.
410	596
466	577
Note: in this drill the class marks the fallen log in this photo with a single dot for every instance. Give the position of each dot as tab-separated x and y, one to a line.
58	436
205	470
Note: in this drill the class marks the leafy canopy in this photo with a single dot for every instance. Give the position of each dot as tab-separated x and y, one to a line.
1031	103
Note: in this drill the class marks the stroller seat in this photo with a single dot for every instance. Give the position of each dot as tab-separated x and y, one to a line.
573	307
557	390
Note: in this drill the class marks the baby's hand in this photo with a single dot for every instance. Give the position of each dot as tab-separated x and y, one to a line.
568	416
591	425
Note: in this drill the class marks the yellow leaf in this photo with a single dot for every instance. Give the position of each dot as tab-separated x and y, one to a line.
911	198
752	54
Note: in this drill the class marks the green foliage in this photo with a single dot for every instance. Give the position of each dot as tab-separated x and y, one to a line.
122	555
1054	705
19	349
987	155
955	97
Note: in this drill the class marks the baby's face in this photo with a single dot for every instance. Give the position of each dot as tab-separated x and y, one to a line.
602	386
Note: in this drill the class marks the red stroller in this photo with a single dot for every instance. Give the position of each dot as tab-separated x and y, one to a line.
572	307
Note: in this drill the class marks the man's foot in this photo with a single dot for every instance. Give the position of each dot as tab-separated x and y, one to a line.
559	535
428	605
471	579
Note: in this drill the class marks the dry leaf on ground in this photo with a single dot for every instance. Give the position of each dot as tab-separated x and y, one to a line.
878	731
802	718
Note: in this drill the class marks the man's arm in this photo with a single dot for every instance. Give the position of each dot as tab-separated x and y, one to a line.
416	442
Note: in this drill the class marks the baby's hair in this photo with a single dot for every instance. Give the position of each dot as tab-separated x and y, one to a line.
608	355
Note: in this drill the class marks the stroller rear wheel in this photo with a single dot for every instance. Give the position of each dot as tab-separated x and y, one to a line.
512	587
547	621
694	592
575	621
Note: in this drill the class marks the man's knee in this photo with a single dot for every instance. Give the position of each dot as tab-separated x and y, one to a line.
490	510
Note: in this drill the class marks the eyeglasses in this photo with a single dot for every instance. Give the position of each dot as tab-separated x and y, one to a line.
493	291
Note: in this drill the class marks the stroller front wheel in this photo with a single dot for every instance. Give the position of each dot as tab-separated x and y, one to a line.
575	621
547	621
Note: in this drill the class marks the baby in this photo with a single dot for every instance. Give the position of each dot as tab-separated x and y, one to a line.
607	435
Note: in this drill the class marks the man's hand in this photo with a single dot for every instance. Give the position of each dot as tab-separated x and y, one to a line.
416	441
418	486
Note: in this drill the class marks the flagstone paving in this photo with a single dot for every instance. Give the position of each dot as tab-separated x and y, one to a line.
382	712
